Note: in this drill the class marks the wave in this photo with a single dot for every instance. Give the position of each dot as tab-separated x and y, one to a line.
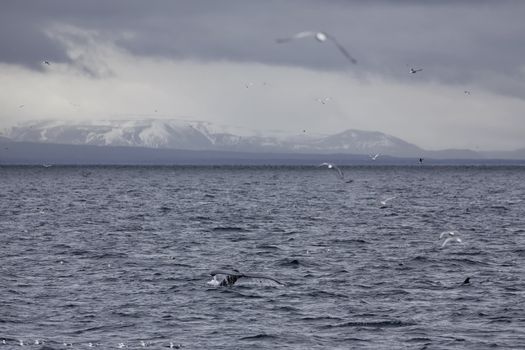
229	229
267	246
469	262
289	262
259	337
378	324
111	255
324	294
321	318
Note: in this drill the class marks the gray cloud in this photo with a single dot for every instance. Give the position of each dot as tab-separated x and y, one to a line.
192	57
454	41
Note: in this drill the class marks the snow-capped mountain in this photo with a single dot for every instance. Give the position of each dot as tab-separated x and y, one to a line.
199	135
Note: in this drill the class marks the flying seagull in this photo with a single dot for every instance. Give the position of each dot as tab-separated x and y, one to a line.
447	233
323	100
384	201
421	160
466	92
415	70
451	236
451	239
340	173
46	62
374	157
333	166
321	37
233	275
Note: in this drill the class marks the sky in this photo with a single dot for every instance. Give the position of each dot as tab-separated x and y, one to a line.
218	61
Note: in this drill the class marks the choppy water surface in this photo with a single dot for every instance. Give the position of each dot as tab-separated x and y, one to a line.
117	256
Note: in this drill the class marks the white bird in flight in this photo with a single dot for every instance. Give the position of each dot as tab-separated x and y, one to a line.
46	62
447	233
340	173
374	157
415	70
384	201
321	37
323	100
451	237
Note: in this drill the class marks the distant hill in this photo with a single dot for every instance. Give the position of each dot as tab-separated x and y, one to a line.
60	154
48	153
195	135
185	136
5	139
517	154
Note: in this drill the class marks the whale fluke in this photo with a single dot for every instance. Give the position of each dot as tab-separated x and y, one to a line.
233	275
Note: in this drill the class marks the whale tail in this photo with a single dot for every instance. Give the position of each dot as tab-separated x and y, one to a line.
231	277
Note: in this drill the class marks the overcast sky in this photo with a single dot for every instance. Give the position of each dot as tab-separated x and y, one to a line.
194	60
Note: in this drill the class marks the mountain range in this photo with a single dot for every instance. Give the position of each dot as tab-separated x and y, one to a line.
205	136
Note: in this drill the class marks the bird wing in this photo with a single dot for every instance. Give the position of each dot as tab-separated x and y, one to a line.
342	49
339	171
450	233
295	36
389	199
451	239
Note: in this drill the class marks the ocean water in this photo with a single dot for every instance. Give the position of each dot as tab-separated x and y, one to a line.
119	257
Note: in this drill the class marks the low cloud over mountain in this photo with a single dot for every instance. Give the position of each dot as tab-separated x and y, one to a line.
205	136
196	135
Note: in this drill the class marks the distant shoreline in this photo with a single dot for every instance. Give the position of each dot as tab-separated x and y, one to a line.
28	153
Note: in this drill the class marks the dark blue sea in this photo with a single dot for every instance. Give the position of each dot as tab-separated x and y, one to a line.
120	257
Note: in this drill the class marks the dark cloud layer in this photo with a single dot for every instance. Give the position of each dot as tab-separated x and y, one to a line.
457	42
